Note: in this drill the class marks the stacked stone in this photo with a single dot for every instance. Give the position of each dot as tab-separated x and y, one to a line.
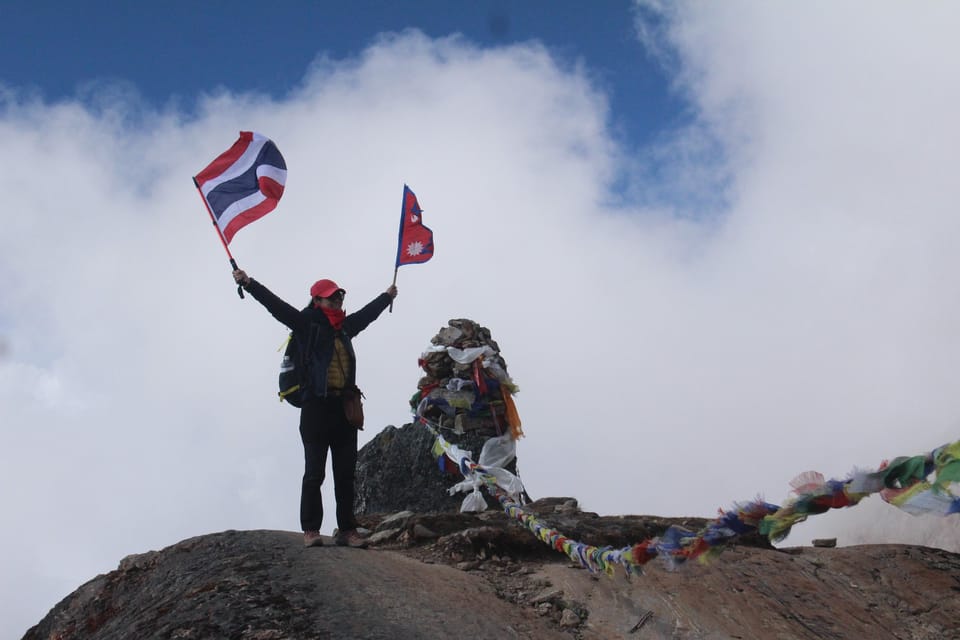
459	394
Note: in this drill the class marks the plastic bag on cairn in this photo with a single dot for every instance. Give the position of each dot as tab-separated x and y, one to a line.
498	452
473	502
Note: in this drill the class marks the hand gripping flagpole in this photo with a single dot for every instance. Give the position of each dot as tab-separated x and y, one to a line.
233	263
393	284
396	266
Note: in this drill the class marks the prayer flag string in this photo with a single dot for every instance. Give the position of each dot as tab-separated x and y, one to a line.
922	484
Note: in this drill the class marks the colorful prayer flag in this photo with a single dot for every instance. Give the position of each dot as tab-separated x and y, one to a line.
416	241
244	183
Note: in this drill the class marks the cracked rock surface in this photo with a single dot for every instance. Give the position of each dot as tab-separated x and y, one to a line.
440	575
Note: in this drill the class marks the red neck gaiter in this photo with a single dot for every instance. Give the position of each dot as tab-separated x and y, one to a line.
335	316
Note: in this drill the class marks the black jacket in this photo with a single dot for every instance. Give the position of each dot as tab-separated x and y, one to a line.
315	334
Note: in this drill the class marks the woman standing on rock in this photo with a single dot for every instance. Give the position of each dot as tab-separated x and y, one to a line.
324	331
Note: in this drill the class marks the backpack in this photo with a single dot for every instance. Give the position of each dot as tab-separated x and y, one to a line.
291	373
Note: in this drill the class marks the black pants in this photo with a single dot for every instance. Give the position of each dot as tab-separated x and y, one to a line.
323	426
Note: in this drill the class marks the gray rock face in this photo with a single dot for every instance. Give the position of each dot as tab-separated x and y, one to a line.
264	585
396	471
483	575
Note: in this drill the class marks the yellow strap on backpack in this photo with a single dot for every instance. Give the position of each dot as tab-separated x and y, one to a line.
284	394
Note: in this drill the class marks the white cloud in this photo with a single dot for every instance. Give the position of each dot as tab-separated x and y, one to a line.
137	387
667	365
822	304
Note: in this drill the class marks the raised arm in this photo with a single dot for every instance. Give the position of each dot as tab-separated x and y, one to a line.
278	308
359	320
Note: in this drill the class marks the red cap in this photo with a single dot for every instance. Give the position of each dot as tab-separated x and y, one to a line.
324	289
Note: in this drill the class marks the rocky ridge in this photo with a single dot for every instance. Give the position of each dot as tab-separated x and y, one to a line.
430	575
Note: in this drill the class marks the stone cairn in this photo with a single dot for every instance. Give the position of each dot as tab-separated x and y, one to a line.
397	470
465	395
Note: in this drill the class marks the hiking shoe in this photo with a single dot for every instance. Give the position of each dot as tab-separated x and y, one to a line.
312	539
351	538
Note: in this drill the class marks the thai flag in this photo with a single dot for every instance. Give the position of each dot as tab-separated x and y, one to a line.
416	241
244	183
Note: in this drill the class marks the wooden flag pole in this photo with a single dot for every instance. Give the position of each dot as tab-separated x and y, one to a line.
233	263
393	284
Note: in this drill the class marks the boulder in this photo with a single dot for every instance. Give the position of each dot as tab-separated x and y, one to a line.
396	471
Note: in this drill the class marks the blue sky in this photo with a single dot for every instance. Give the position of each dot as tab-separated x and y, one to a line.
172	51
776	294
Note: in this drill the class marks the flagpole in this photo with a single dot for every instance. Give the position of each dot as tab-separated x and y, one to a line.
396	265
395	269
233	263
